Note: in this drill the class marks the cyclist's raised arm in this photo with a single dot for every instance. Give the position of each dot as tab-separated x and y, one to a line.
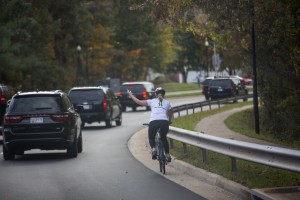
136	100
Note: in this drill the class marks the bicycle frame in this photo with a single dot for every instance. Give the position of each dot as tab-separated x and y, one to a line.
161	154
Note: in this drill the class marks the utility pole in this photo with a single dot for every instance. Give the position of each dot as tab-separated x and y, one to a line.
255	98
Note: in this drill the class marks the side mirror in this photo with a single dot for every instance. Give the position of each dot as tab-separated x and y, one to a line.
7	105
79	108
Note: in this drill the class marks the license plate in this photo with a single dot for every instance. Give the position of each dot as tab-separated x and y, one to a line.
220	90
86	107
36	120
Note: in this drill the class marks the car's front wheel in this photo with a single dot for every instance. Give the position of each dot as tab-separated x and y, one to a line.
8	154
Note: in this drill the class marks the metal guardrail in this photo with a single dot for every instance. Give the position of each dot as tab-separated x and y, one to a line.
193	106
279	157
264	154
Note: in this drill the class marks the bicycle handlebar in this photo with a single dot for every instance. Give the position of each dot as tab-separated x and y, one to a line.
147	124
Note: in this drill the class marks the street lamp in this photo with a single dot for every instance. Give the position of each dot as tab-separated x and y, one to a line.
206	44
79	69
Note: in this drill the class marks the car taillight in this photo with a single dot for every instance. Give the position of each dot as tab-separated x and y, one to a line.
104	104
2	99
119	94
145	94
12	119
232	89
60	117
208	90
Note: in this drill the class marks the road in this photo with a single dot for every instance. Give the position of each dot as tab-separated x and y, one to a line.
105	170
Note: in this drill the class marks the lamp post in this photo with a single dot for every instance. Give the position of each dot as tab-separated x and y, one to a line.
79	68
215	59
206	44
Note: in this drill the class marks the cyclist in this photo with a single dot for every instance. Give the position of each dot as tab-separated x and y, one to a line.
161	117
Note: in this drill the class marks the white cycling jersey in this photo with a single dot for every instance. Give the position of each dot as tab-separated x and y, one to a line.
159	109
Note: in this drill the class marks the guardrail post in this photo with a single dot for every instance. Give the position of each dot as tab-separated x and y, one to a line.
209	105
171	143
201	107
233	164
204	157
184	149
193	109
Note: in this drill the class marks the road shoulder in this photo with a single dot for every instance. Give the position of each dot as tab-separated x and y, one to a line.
206	184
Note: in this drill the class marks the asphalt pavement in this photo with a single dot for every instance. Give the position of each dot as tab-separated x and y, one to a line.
204	183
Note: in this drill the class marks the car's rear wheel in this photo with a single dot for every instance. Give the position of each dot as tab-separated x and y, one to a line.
108	122
134	108
79	143
72	151
206	97
8	154
119	121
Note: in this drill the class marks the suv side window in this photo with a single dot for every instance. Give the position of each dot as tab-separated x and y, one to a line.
110	94
67	103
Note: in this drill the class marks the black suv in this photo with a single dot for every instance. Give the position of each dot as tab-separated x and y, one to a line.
43	120
99	104
225	87
142	90
6	93
205	84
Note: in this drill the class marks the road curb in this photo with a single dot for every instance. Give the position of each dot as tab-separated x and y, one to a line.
213	179
206	184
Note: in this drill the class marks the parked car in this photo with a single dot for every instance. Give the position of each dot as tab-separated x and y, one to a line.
6	93
205	84
225	87
100	104
43	120
141	90
245	81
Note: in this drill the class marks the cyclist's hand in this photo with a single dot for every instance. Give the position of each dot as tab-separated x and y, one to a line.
129	92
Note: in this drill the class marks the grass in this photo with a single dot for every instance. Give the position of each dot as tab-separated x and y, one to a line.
175	87
249	174
236	122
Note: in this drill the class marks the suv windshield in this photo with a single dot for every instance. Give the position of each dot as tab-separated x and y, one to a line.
132	88
221	83
80	96
34	104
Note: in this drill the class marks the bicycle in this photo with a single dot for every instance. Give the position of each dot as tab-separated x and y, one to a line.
161	153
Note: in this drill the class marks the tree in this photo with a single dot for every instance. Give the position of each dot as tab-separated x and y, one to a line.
227	22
